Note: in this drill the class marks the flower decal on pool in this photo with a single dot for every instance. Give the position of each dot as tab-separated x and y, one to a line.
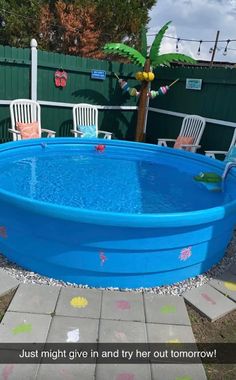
100	148
102	257
79	302
3	232
185	253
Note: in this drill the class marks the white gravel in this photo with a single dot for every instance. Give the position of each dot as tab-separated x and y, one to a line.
27	277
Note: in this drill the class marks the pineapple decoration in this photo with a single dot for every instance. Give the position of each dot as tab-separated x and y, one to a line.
148	62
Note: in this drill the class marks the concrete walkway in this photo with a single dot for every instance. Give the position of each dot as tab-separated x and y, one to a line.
40	313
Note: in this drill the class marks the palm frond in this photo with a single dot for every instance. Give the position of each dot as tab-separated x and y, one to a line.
154	51
166	59
143	41
125	51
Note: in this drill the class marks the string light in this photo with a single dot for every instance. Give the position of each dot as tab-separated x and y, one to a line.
178	39
199	48
226	47
177	44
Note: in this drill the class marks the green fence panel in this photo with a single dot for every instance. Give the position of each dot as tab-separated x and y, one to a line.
80	88
15	82
216	100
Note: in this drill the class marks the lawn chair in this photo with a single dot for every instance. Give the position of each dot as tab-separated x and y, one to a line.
213	153
190	134
26	120
85	122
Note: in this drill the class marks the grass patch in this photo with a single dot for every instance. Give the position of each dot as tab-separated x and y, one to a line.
221	331
5	301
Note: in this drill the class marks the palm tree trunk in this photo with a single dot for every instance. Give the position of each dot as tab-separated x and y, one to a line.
142	107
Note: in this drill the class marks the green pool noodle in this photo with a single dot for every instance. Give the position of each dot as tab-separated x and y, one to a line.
208	178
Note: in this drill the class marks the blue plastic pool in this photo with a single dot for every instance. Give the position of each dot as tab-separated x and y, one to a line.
122	215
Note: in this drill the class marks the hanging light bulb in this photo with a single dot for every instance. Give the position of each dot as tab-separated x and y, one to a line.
177	44
226	47
199	48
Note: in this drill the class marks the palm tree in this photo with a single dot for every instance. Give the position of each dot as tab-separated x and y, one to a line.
148	62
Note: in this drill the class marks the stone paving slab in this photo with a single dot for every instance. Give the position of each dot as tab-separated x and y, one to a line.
226	284
209	302
7	283
123	372
32	298
178	372
160	333
126	306
170	310
18	371
232	269
24	328
79	302
66	372
122	332
73	330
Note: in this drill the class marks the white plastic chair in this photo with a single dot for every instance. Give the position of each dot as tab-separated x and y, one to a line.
192	126
26	111
85	116
213	153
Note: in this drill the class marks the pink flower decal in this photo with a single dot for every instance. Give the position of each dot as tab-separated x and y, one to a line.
122	305
125	376
3	232
102	257
7	370
208	298
185	254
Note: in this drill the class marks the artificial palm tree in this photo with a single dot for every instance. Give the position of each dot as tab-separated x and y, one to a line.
148	62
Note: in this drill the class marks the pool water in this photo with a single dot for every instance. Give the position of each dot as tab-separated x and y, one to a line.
103	183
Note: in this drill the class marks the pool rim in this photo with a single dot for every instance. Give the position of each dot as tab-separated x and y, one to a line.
176	219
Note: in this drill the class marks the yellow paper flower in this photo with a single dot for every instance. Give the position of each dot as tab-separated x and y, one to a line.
79	302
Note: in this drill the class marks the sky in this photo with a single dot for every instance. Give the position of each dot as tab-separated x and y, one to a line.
197	20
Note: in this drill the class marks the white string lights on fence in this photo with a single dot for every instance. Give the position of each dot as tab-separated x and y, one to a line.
200	42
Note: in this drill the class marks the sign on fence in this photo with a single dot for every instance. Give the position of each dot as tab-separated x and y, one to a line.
193	84
98	74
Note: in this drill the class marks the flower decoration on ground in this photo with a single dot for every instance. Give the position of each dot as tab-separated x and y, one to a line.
79	302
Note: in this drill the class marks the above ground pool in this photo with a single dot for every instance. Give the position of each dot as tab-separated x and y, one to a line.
112	213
